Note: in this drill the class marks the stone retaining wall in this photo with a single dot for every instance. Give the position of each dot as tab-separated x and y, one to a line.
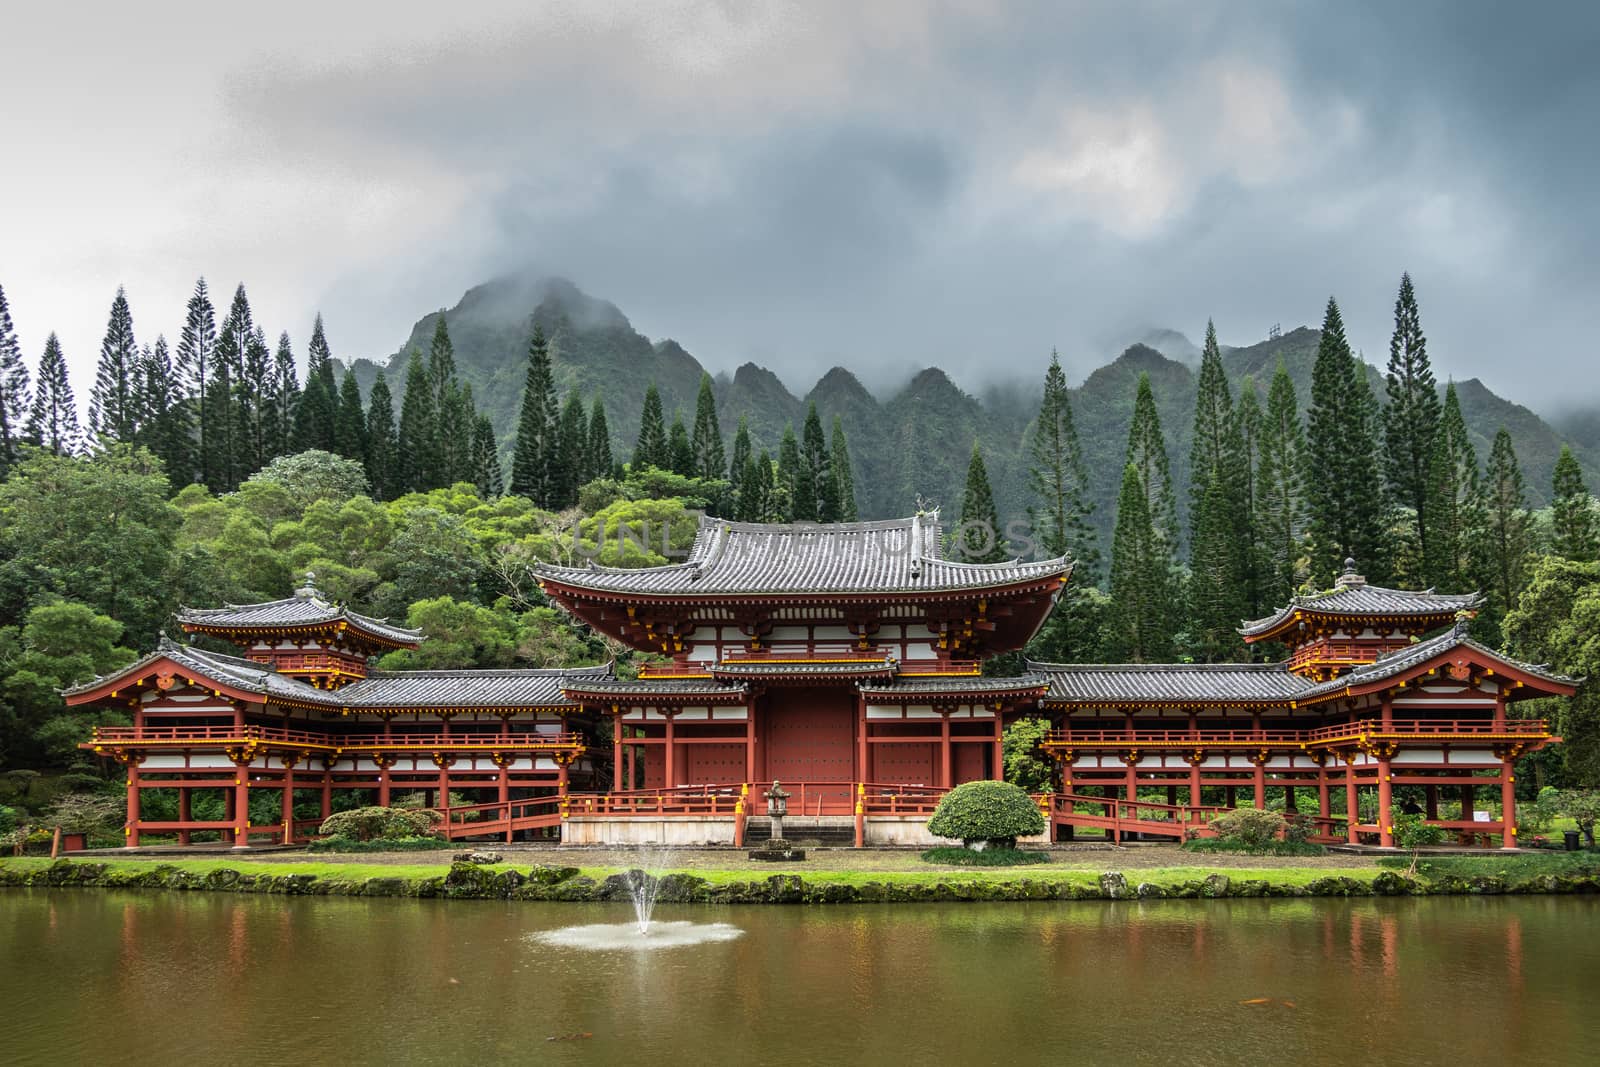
473	882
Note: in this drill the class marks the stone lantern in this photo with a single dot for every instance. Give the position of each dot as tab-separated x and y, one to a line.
777	807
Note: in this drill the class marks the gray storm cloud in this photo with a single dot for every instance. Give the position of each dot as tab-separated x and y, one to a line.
808	185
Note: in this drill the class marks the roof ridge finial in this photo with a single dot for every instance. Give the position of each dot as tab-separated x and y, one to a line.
1350	576
308	591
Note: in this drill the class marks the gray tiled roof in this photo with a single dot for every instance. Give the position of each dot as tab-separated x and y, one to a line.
230	670
977	685
1397	663
464	689
897	555
1358	598
675	688
1180	683
294	611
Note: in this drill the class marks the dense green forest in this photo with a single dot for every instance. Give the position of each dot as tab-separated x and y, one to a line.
208	473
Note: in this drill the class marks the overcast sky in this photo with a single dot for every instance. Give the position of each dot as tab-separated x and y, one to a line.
885	185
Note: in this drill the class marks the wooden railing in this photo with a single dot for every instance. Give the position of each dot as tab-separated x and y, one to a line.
1119	817
679	801
880	799
503	817
279	736
806	799
1340	652
1431	729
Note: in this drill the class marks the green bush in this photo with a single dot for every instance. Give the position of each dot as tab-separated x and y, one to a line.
1298	828
385	824
1582	806
8	819
989	857
1264	848
340	843
1414	831
1538	815
993	813
1250	827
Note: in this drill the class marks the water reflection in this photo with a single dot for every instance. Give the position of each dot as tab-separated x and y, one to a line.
250	979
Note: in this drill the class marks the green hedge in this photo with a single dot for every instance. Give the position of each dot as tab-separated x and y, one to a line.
991	812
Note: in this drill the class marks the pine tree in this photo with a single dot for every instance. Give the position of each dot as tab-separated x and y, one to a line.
113	400
257	401
1343	489
786	477
1218	534
166	417
816	478
599	445
1280	497
978	539
14	395
316	420
738	465
1508	540
285	396
197	346
382	446
418	467
226	436
350	429
652	449
709	459
572	462
53	419
455	422
1058	478
1411	420
1573	528
1247	441
680	452
843	480
486	460
1147	451
767	500
536	426
1141	616
1455	503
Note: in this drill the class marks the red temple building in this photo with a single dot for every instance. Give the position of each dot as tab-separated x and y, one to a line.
844	660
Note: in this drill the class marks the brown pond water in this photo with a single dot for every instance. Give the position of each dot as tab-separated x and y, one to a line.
127	978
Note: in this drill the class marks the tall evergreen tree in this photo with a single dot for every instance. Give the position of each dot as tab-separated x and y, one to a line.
652	449
1248	417
786	477
1411	419
978	538
113	402
14	393
709	458
257	399
1147	451
455	426
1574	533
536	426
197	346
763	499
1455	503
382	443
1507	536
572	454
316	420
844	481
1280	495
53	419
226	437
1141	615
1060	519
599	445
1343	487
739	463
285	396
816	462
1218	532
486	459
166	416
350	429
418	467
679	450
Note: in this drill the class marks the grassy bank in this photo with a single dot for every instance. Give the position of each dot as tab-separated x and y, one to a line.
310	877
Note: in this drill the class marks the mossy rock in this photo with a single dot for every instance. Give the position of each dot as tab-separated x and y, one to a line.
1337	886
469	881
1393	884
1114	886
1150	891
1215	886
222	878
385	887
682	889
580	888
546	875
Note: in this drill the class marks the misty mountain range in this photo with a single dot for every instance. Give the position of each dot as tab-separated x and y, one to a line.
911	447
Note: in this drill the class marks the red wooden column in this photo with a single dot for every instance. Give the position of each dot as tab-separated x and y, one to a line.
131	830
999	745
1324	807
1388	711
670	773
1260	790
1385	802
946	775
327	790
616	752
1466	803
1430	802
241	808
1131	775
384	762
1508	803
1500	709
288	799
183	814
1352	805
1194	761
750	740
443	762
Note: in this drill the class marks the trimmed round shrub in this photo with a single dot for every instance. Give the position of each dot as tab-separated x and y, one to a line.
984	814
375	824
1251	827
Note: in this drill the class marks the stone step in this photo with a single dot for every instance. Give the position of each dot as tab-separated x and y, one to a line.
828	830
